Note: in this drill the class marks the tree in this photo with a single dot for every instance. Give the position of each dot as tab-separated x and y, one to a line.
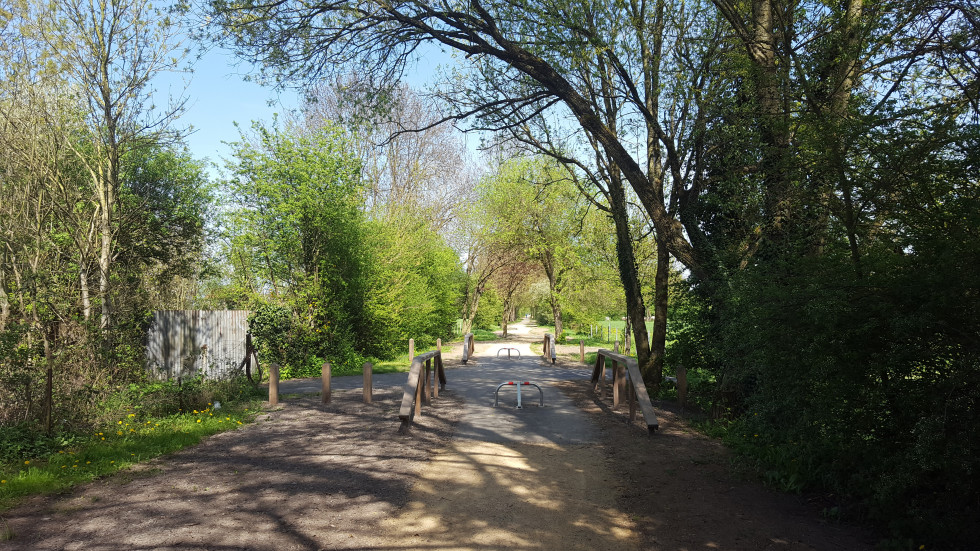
105	54
533	210
298	233
411	163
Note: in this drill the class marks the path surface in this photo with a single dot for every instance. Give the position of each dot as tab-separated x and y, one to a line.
568	475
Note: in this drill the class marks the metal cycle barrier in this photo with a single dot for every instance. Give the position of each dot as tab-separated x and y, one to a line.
518	384
508	351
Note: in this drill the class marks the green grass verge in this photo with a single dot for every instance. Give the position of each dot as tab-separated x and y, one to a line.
114	448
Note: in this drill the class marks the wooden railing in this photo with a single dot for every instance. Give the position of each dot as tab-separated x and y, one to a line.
626	377
421	388
549	347
468	347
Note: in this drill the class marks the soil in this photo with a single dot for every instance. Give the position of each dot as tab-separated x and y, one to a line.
339	476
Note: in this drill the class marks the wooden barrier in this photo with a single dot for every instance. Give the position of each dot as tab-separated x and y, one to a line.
273	384
468	347
325	383
368	384
416	389
626	376
549	347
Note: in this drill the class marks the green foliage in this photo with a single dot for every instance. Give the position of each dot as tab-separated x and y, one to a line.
298	242
325	283
490	311
35	464
413	286
271	327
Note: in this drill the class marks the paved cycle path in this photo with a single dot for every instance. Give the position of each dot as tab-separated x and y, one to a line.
559	421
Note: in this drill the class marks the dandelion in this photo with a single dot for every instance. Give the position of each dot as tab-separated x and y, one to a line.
27	462
111	462
755	435
119	432
103	437
198	420
3	481
132	415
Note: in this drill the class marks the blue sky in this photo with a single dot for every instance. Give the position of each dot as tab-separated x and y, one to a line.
218	96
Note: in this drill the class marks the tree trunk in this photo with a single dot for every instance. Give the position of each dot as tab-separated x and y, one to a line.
629	273
84	290
658	344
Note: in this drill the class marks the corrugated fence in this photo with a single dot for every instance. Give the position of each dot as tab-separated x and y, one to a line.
185	343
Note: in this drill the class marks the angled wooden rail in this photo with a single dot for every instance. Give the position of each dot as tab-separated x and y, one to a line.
421	387
626	376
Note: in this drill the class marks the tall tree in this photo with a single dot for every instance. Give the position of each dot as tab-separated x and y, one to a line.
106	53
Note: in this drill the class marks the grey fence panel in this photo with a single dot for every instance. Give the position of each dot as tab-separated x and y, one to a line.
185	343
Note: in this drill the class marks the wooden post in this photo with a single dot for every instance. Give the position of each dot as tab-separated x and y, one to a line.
273	384
619	384
631	397
616	347
602	379
581	350
425	383
325	383
616	375
681	384
438	369
418	393
411	350
368	384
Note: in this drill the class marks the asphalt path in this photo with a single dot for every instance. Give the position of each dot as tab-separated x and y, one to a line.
558	421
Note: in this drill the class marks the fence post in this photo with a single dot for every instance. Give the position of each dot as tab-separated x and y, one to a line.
368	384
616	347
273	384
411	349
325	383
581	350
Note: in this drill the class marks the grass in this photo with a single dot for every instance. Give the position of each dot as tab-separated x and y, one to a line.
615	330
127	442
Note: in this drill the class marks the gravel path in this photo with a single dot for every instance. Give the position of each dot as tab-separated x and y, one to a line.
569	475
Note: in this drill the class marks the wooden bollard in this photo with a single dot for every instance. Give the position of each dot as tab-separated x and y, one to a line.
411	349
325	383
616	347
368	384
273	384
581	350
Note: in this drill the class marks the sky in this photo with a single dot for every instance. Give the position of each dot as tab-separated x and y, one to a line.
218	96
